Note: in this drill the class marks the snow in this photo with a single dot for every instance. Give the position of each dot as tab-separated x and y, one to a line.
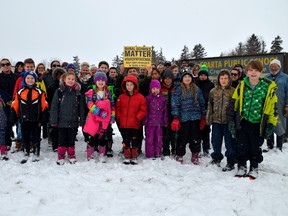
153	187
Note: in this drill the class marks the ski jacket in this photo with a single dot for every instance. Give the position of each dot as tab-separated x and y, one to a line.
255	106
130	109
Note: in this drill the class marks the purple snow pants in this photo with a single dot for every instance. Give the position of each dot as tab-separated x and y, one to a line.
153	145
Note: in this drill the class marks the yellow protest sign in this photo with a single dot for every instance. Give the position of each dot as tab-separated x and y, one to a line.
137	56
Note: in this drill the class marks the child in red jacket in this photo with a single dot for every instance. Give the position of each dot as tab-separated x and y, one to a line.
130	110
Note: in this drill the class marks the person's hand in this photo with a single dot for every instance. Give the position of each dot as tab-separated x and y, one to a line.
202	122
103	114
175	124
269	130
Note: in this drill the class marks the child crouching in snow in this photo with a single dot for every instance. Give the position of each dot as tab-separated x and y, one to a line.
3	123
66	108
101	113
156	118
130	111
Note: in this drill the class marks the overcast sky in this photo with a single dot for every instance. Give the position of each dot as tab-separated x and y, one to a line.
98	30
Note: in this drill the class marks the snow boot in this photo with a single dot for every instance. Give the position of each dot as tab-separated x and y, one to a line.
134	155
3	150
71	154
252	174
179	159
229	166
127	155
25	158
90	152
195	158
241	171
61	155
102	150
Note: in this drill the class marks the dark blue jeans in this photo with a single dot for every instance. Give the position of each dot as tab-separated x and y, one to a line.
218	132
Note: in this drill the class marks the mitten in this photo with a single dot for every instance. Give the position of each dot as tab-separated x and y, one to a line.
269	130
231	127
202	122
102	114
175	125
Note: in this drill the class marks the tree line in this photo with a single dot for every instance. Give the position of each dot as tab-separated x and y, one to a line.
252	46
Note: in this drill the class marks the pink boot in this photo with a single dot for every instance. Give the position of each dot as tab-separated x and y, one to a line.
3	150
102	151
90	152
61	155
71	154
195	158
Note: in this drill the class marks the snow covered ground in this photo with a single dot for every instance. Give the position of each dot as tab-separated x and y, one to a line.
153	187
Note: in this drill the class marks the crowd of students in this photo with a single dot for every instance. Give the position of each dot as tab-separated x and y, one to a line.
176	104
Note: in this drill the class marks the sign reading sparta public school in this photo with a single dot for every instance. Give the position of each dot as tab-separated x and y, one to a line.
137	56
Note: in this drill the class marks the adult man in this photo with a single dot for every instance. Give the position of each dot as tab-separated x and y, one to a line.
7	84
281	80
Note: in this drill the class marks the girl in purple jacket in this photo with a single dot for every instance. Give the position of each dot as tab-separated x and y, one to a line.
156	118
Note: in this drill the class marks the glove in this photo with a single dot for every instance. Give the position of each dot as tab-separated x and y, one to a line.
231	127
175	125
269	130
102	114
202	122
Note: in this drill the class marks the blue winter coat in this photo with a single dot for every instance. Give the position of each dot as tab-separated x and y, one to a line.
281	80
188	108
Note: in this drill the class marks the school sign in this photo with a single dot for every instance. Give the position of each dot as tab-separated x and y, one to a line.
216	64
137	56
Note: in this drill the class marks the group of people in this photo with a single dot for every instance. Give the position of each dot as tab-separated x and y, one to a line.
175	105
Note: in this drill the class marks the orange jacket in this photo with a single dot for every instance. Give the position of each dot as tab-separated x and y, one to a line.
29	105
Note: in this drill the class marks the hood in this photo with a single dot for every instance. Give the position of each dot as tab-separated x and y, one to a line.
56	71
131	79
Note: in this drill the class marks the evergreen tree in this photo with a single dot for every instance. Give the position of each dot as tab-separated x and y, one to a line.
239	50
76	62
263	46
154	56
160	57
198	51
185	53
253	45
117	61
276	45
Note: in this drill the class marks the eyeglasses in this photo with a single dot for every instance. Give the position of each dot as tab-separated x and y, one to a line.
55	65
5	64
233	74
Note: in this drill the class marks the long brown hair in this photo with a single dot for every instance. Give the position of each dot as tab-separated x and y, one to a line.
186	89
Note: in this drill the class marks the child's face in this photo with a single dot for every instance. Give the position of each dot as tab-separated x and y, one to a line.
129	86
155	75
187	79
104	68
175	71
112	73
41	69
253	75
132	72
155	90
70	80
29	67
100	84
224	80
29	80
168	81
203	77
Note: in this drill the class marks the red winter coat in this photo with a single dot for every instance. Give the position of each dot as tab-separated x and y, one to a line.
130	109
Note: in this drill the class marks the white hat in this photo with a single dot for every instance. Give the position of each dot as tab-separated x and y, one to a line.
275	61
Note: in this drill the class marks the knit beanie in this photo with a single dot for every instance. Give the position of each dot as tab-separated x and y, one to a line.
168	73
155	84
275	61
19	63
187	72
70	66
31	73
100	75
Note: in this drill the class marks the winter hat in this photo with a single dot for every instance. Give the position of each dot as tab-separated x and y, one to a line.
100	75
70	66
203	70
32	73
275	61
57	71
187	72
167	63
155	84
19	63
168	73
